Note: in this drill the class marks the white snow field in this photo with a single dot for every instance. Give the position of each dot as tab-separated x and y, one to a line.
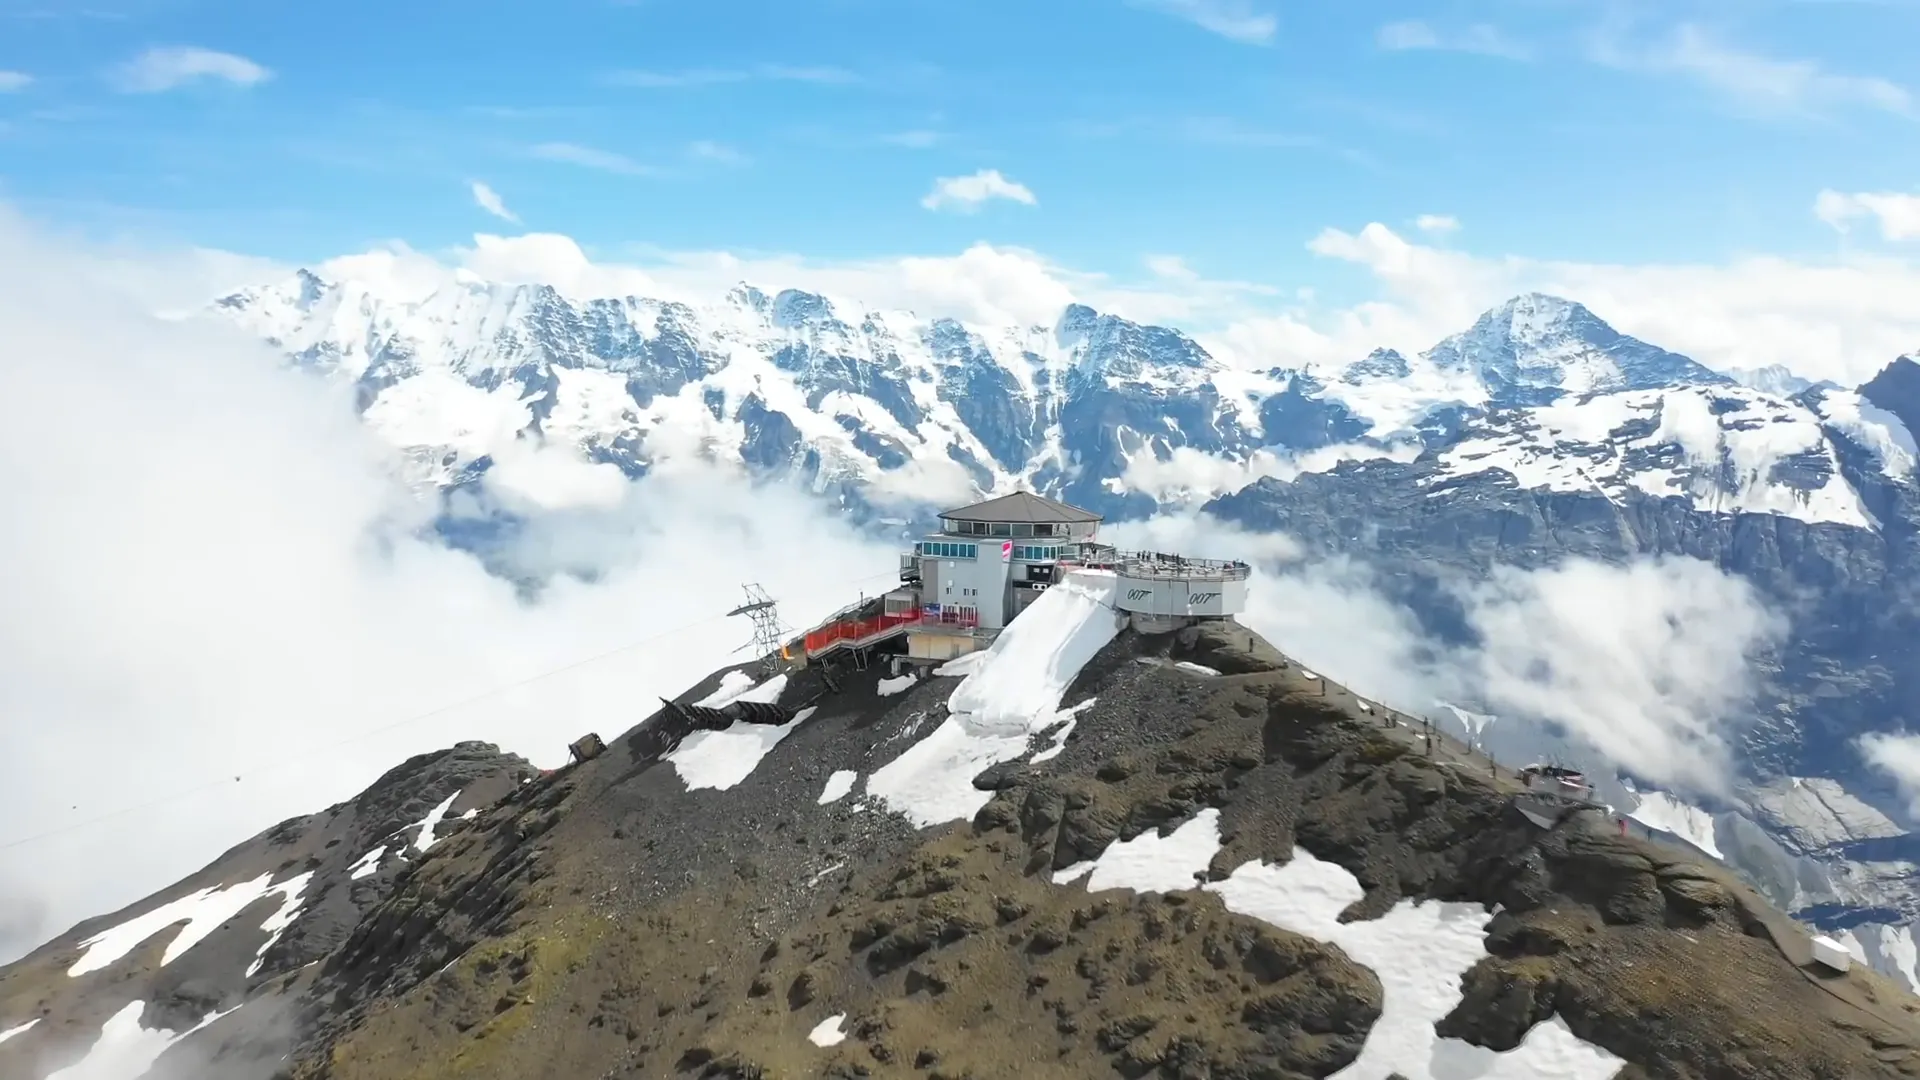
125	1049
203	912
1154	863
1659	810
896	685
722	759
1420	951
1010	692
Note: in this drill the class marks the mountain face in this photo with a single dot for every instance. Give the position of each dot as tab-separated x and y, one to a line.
1538	434
787	384
131	985
1210	862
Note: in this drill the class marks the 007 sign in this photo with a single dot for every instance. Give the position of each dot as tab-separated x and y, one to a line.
1202	598
1138	594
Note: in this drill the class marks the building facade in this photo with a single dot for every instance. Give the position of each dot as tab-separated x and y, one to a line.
989	561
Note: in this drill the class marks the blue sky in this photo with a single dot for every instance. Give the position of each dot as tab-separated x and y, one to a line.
1226	131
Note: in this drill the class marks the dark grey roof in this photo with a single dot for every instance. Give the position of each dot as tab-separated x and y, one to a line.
1022	507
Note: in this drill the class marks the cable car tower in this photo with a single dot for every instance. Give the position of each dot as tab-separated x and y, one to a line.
768	632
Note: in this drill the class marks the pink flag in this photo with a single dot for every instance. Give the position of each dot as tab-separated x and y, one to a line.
1006	551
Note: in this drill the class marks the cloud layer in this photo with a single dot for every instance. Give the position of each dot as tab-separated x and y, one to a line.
219	600
1647	666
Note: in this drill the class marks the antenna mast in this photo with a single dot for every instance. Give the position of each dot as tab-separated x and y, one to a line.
768	633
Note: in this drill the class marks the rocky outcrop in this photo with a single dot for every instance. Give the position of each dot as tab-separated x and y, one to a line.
260	914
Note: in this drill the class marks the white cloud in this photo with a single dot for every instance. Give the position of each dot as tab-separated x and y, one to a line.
1841	318
1899	757
210	572
165	68
1190	476
14	80
1647	666
967	193
1897	213
1480	38
1650	664
592	158
489	200
1754	81
1235	20
1437	223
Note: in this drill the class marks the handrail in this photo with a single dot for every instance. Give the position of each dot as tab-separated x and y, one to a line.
855	631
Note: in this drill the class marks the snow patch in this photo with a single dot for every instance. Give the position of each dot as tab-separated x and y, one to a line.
369	863
203	912
1659	810
961	667
21	1030
735	683
1872	427
425	838
1154	863
889	687
1074	872
1887	949
1419	951
722	759
1010	693
278	922
1717	447
1067	719
1196	669
827	1032
838	785
125	1049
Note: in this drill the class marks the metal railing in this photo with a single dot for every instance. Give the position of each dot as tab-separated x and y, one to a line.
856	631
1155	564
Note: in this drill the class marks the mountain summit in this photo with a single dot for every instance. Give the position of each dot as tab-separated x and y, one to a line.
1535	344
1087	851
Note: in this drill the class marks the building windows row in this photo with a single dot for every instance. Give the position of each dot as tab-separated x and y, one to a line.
1033	553
939	550
1007	529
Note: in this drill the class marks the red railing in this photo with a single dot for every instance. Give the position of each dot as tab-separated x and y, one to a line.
857	630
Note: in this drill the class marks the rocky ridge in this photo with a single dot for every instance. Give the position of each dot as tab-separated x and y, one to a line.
607	921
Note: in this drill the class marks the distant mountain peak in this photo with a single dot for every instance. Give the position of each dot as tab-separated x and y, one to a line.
1536	346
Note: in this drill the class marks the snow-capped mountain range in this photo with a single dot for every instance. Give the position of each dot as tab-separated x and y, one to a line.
898	405
1537	433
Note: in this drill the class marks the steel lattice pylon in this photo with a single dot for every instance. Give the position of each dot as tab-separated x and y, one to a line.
768	632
